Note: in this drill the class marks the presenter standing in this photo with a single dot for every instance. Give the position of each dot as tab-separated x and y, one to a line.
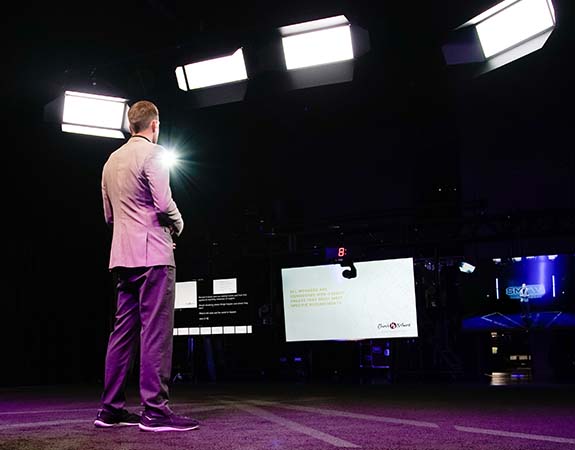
138	205
524	300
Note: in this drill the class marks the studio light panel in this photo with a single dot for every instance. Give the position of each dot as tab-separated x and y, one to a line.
509	24
318	47
96	115
212	72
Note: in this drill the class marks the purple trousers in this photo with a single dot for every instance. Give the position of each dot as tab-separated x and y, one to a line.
144	314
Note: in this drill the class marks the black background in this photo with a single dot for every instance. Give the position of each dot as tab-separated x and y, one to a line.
407	134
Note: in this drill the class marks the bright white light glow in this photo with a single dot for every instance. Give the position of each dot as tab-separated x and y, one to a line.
318	47
181	78
517	259
552	257
513	25
553	278
102	132
93	110
216	71
169	158
497	288
466	267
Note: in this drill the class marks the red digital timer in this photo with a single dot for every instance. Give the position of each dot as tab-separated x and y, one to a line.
336	253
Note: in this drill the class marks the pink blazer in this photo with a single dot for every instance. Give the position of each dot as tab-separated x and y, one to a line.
138	205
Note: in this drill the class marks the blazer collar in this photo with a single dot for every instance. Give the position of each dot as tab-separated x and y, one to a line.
140	136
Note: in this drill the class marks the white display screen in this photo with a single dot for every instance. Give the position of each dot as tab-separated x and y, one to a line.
320	304
226	286
186	295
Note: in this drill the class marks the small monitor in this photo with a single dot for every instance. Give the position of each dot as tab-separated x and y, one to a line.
212	306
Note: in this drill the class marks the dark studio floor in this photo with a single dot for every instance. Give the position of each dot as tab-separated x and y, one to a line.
304	416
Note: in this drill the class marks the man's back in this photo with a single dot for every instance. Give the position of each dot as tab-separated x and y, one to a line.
138	204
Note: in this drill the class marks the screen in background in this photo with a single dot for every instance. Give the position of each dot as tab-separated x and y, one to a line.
491	296
206	307
324	303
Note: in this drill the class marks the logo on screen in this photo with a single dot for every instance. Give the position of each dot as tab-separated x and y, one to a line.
393	325
533	290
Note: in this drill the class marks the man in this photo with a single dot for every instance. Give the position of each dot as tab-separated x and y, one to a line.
524	300
138	205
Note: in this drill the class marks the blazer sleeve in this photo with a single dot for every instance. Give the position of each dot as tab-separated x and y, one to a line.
158	176
108	212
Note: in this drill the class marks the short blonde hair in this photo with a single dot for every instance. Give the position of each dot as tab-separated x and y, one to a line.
141	115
